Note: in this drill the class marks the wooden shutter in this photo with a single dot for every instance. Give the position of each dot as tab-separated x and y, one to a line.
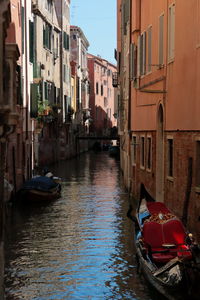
34	100
149	48
171	34
144	54
161	46
31	41
139	56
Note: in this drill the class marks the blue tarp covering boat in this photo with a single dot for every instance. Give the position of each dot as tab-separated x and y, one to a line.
40	188
41	183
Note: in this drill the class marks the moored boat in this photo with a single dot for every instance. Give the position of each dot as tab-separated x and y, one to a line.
164	250
39	189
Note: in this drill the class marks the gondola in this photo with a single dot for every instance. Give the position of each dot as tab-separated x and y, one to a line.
39	189
164	250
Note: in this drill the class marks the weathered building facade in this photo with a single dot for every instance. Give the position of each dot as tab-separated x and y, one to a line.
163	125
102	95
80	85
9	54
78	56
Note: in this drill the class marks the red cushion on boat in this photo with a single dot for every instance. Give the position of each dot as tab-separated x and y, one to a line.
157	207
173	232
152	233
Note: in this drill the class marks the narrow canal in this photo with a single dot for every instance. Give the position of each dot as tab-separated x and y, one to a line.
80	246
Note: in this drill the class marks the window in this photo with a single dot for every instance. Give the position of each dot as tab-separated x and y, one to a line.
149	54
105	101
170	151
101	89
149	153
133	61
133	150
66	41
171	32
142	54
31	41
161	41
142	152
197	165
108	112
97	88
34	100
48	5
47	33
48	91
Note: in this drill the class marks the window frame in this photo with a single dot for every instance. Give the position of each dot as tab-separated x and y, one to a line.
161	41
149	153
197	163
142	152
170	158
171	33
149	49
134	150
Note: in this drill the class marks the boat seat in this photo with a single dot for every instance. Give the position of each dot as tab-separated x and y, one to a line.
157	236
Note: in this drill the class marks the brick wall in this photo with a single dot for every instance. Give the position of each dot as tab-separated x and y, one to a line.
176	189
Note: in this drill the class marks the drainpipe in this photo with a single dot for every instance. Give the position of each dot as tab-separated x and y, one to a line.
130	40
61	60
129	102
26	67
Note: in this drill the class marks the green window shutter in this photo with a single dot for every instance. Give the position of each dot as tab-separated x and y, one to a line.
45	90
22	22
49	37
31	41
44	36
67	41
34	100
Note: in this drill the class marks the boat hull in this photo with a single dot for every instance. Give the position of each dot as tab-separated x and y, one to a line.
163	255
38	196
171	290
39	189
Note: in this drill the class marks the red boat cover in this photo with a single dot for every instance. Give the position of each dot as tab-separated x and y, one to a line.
157	235
171	232
156	207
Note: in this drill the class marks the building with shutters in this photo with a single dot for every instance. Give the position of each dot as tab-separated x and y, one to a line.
19	160
78	56
159	92
46	102
9	111
102	96
51	88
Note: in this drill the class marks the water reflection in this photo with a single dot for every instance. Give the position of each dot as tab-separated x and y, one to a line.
80	246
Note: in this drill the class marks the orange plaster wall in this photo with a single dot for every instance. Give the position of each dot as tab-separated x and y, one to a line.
183	105
182	100
14	30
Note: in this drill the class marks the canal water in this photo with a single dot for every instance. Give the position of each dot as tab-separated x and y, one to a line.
81	245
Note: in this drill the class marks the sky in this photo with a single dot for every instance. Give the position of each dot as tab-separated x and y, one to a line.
97	19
